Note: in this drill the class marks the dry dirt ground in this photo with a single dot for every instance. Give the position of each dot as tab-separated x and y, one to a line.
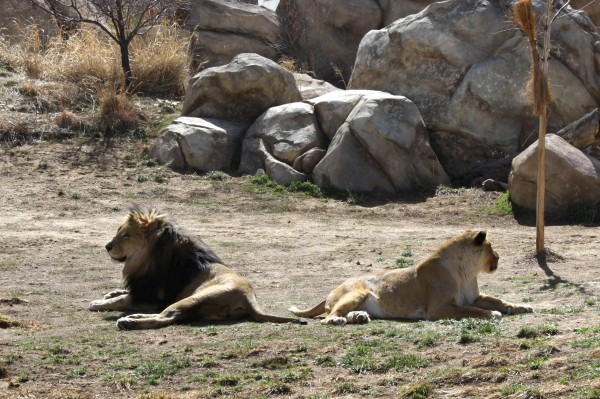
61	202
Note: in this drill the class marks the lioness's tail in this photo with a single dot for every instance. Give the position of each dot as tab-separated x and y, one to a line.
259	315
317	310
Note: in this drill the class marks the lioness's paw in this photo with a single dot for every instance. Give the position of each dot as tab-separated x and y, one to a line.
494	314
526	309
358	317
126	323
336	321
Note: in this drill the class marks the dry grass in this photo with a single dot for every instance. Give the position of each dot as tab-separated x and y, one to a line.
168	73
68	120
160	60
117	112
289	63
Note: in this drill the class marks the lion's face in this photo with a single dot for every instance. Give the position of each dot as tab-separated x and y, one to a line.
490	257
131	240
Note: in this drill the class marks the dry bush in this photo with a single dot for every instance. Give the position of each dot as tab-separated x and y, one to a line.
14	132
161	61
24	54
117	112
86	58
68	120
45	97
289	63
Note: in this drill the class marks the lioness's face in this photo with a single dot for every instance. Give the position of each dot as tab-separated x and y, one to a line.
125	243
490	257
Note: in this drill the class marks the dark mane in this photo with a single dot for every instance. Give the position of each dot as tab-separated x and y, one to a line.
173	259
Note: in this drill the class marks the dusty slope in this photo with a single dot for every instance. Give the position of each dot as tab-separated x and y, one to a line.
60	203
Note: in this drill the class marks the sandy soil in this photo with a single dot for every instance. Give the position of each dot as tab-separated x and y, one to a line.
61	202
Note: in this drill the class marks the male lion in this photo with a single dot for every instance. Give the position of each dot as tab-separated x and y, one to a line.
443	286
165	268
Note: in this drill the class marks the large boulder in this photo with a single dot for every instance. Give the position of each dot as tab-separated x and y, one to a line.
224	29
323	35
394	9
572	177
287	131
382	147
590	7
199	144
239	91
310	87
583	132
469	82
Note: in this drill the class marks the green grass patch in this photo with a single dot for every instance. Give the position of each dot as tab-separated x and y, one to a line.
306	187
404	361
154	370
512	389
264	184
359	359
402	263
503	205
217	175
417	391
538	331
445	191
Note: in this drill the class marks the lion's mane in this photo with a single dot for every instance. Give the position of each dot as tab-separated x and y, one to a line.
169	258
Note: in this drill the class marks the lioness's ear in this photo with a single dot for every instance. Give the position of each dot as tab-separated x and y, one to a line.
480	238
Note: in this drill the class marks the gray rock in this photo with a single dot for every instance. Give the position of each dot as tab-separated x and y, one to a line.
469	82
332	109
382	147
200	144
239	91
311	88
225	29
306	162
583	132
324	35
394	9
572	177
287	130
219	48
590	8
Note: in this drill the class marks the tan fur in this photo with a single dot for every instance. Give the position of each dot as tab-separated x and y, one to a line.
155	255
443	286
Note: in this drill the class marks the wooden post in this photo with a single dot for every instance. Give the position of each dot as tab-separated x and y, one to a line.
543	124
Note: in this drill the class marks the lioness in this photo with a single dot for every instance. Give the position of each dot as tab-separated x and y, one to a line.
165	268
443	286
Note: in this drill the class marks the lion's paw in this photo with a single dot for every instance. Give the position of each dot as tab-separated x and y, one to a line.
115	293
358	317
494	314
97	305
336	321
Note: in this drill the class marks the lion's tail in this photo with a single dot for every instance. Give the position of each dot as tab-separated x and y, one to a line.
316	311
258	314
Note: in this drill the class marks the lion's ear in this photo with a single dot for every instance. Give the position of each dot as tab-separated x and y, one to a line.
147	222
480	238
